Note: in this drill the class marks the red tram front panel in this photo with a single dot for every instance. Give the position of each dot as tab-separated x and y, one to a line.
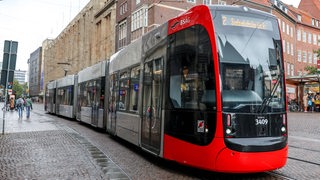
197	123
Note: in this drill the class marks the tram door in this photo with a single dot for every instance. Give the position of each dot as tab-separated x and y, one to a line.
112	106
94	94
152	98
98	103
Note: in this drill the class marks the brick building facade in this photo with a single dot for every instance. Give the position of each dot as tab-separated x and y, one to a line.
106	26
88	39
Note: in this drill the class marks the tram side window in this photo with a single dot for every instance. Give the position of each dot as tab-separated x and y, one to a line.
113	93
59	96
101	88
97	94
192	84
65	95
134	88
82	96
52	95
123	92
90	85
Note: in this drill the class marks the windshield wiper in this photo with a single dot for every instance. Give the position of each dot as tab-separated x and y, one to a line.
267	100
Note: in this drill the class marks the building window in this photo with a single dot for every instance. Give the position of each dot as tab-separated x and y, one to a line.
137	2
317	23
288	29
299	17
284	45
207	2
139	18
123	30
123	8
309	38
304	36
304	56
298	35
292	50
283	26
292	69
315	58
222	2
310	57
122	33
288	68
313	22
291	31
288	47
315	39
318	40
191	1
299	55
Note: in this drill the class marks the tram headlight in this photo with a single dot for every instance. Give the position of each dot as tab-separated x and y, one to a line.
228	131
283	129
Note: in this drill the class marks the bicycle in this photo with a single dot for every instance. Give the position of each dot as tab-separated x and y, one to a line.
293	106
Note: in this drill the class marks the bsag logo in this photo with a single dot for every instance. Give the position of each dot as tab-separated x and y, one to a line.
185	21
181	22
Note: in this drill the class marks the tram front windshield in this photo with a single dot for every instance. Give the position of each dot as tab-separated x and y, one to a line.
251	72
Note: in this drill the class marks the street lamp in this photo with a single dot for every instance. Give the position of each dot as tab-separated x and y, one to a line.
66	66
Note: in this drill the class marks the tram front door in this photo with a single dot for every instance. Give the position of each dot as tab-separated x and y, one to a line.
152	98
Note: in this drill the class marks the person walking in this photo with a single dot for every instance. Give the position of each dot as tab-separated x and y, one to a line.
19	106
305	102
28	106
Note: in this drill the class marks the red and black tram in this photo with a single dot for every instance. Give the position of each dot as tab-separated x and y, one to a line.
206	89
229	114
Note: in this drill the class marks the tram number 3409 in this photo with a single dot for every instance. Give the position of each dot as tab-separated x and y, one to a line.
261	121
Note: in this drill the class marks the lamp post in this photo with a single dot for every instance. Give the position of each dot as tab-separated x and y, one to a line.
66	65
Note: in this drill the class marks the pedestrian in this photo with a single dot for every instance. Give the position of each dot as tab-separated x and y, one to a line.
28	106
19	107
12	104
305	102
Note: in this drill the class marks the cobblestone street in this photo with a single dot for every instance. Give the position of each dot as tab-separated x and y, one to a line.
41	148
49	147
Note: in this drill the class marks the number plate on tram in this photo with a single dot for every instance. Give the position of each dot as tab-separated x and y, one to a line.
260	120
261	123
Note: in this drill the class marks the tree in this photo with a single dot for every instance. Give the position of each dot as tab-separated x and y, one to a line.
17	88
318	52
311	69
25	89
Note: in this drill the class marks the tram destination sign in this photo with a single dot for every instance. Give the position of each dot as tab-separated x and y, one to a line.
248	22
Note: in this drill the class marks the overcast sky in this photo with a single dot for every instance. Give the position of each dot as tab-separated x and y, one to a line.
30	22
295	3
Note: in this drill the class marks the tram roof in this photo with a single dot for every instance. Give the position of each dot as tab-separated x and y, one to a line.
239	8
295	80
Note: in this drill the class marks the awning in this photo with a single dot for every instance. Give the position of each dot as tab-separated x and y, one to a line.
296	80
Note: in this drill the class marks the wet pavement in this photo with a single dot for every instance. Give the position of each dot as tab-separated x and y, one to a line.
49	147
42	148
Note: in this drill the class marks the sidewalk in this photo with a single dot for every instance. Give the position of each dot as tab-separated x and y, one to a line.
41	148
